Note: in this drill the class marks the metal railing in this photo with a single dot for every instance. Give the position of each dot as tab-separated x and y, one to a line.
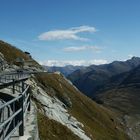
12	113
8	77
11	79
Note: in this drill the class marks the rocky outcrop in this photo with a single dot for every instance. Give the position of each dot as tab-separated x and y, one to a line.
54	109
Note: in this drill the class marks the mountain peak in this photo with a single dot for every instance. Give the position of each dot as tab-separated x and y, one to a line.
135	58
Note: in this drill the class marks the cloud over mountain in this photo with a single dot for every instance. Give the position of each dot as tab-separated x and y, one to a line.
73	62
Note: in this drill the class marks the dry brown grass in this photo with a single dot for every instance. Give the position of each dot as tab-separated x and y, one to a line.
52	130
98	121
11	53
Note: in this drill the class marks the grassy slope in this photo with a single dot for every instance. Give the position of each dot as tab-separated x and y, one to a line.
52	130
97	120
11	53
125	96
125	100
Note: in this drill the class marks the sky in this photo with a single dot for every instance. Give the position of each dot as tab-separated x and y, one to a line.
77	32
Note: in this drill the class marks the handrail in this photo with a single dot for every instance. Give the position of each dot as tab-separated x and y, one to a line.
25	90
11	76
10	118
9	135
10	102
15	99
16	119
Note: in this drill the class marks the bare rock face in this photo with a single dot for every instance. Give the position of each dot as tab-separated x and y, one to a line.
67	101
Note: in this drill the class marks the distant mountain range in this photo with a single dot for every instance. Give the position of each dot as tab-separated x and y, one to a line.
90	79
115	86
66	70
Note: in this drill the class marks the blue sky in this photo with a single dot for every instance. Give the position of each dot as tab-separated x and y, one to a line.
79	32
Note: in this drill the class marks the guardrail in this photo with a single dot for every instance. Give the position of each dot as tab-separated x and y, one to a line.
11	79
12	76
16	108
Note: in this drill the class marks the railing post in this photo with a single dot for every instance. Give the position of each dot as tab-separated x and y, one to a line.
13	86
13	109
22	86
21	117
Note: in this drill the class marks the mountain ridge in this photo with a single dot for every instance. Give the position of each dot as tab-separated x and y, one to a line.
89	79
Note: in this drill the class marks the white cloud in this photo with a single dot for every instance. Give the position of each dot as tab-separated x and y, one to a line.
82	48
62	63
71	33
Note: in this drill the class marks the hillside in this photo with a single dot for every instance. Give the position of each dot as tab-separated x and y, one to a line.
123	96
63	111
11	53
125	87
98	122
90	79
